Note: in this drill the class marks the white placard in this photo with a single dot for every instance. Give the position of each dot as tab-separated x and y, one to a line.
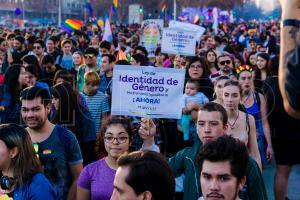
178	41
147	91
188	27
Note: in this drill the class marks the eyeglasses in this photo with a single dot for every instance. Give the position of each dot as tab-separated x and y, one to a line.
36	47
120	140
226	61
89	55
195	66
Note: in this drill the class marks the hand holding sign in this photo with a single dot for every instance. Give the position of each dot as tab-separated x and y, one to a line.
148	128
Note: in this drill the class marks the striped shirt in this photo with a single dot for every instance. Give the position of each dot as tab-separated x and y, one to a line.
97	105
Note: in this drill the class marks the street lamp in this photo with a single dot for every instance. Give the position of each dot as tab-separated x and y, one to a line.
59	13
23	11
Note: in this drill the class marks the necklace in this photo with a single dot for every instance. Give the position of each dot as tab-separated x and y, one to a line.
232	125
245	99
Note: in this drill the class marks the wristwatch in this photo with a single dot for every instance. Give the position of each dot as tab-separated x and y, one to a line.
291	22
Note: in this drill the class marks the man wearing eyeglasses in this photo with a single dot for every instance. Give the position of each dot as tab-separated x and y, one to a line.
225	64
90	57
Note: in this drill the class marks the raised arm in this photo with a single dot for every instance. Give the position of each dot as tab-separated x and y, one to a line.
289	38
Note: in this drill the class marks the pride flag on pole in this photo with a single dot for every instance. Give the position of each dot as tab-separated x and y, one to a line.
89	7
107	32
121	55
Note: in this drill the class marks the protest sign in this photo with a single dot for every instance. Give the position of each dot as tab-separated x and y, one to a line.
188	27
147	91
177	41
151	35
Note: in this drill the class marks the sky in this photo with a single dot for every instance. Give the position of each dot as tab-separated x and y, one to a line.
267	5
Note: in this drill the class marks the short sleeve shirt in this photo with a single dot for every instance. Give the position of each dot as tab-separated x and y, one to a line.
98	178
97	105
56	158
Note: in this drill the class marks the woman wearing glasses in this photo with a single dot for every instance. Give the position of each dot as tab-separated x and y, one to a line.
197	69
96	179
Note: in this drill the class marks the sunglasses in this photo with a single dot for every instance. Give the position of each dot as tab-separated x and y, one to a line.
36	47
225	62
89	55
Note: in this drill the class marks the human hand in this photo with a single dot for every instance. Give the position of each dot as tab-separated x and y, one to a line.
269	153
147	128
192	106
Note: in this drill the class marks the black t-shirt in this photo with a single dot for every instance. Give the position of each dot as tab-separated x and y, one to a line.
292	84
18	55
281	124
55	54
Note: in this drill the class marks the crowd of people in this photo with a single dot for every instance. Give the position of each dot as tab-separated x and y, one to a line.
58	139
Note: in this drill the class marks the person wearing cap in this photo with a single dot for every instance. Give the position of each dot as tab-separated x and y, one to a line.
19	50
66	59
90	56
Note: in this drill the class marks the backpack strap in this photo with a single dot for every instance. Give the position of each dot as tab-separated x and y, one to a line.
64	137
60	59
257	98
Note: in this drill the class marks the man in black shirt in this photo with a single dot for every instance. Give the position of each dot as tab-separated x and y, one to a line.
19	50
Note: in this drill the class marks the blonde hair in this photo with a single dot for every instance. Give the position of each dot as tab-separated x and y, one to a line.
91	78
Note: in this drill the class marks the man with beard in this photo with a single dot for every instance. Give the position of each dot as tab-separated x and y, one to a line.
90	57
223	165
225	64
57	147
19	50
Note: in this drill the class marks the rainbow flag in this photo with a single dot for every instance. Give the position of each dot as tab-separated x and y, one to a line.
74	24
121	56
71	25
115	3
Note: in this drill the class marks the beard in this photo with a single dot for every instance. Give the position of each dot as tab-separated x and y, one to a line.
226	69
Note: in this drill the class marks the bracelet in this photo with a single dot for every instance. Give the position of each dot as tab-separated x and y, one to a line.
291	22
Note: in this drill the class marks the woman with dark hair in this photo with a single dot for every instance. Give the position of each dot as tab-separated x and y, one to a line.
255	104
72	115
137	59
262	70
32	60
251	60
20	169
211	57
15	81
96	179
197	69
161	59
238	60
